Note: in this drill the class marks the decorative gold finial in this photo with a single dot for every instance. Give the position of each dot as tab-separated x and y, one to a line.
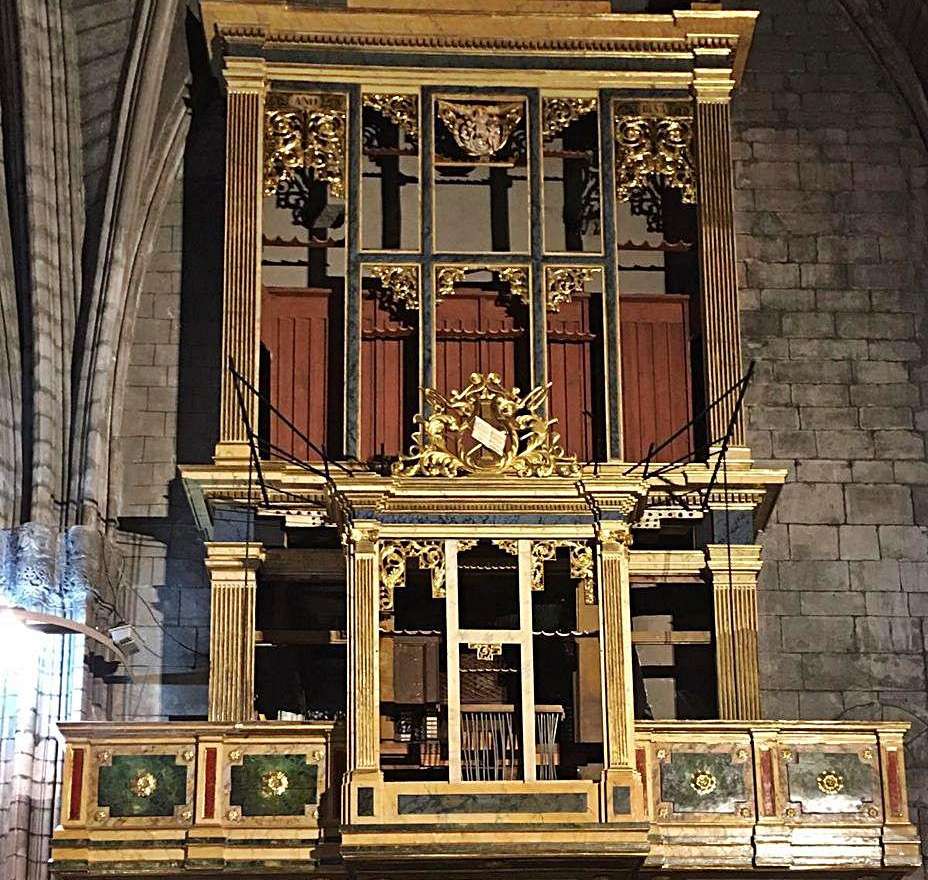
489	430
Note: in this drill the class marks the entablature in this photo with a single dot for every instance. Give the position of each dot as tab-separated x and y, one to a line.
529	41
293	493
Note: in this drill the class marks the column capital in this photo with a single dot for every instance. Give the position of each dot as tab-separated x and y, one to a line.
361	537
743	558
615	537
713	81
245	75
233	560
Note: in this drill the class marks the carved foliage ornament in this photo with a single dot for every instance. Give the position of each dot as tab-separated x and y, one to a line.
558	113
647	146
515	276
401	110
305	132
563	284
581	562
486	652
481	130
489	430
400	284
393	556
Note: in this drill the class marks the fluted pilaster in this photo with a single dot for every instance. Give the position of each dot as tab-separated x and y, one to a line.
364	648
616	635
232	568
242	250
734	569
721	328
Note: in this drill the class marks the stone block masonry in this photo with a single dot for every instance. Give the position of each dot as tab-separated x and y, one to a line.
831	200
164	590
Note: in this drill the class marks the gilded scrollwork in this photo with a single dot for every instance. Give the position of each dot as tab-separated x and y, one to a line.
445	279
393	556
515	276
517	279
581	562
305	132
486	652
400	285
489	430
651	145
558	113
563	283
481	130
402	110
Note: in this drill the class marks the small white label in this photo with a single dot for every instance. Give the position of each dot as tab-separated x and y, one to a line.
486	435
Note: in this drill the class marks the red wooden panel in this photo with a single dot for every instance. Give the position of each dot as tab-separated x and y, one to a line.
209	794
295	331
385	338
474	333
77	784
570	366
657	396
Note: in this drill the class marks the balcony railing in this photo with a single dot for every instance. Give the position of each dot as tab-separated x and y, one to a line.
172	799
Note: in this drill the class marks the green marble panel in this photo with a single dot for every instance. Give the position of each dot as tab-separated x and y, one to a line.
411	804
703	782
830	782
274	785
142	785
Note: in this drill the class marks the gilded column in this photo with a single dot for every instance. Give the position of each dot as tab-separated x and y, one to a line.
734	569
721	328
241	301
616	641
363	660
232	567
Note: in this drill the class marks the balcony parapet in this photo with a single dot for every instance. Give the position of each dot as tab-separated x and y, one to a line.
174	799
177	797
792	795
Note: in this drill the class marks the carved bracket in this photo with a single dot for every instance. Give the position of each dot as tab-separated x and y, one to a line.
563	283
489	430
558	113
401	110
400	285
649	145
303	131
393	556
581	562
515	276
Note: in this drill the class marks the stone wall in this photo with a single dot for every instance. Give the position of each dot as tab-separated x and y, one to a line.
163	588
831	196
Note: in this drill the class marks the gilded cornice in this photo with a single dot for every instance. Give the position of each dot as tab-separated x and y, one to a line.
266	25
